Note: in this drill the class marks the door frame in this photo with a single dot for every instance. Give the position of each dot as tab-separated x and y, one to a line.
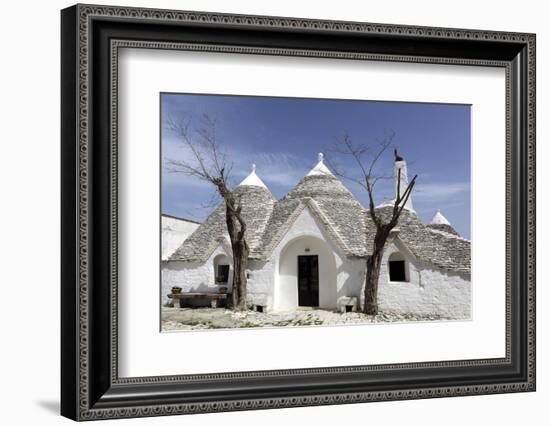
311	295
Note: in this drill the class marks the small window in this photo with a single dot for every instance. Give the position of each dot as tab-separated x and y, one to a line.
397	270
222	274
397	267
222	270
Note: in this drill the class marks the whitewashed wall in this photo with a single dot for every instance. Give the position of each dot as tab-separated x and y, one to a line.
260	283
429	290
38	405
273	283
288	272
338	275
193	276
351	276
174	233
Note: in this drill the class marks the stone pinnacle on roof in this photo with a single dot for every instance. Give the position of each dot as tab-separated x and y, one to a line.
439	219
440	223
401	182
252	179
320	168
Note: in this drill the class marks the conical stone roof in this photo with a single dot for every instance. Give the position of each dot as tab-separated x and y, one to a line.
257	205
331	202
345	220
444	250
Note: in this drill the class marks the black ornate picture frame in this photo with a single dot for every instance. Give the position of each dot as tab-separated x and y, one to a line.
91	36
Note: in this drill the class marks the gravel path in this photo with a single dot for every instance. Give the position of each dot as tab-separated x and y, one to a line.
208	318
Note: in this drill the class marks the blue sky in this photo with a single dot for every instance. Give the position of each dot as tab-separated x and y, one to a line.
282	136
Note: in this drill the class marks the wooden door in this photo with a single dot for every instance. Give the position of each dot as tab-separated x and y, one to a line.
308	280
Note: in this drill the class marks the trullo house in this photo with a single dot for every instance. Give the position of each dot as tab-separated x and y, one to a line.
309	249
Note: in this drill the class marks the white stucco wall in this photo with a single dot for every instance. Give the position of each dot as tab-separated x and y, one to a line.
193	276
274	283
174	233
260	282
350	278
288	272
338	275
429	290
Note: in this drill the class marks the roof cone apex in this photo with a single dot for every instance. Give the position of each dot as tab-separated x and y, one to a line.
439	219
252	179
320	168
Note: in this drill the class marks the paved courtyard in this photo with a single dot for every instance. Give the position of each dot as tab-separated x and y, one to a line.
174	319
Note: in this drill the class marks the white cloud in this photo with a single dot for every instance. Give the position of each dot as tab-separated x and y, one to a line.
280	168
437	191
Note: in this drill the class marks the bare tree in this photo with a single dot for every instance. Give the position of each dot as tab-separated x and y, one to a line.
208	162
365	159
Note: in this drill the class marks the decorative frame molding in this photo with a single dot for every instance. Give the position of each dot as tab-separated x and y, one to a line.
91	37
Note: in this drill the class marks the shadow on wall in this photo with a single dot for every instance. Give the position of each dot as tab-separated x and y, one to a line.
355	277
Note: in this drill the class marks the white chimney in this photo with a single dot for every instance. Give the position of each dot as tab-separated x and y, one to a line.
402	181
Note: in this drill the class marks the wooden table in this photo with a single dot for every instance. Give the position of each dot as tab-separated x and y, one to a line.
213	297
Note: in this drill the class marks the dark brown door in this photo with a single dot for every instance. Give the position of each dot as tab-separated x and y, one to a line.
308	280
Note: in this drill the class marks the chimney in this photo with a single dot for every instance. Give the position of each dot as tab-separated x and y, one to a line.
402	180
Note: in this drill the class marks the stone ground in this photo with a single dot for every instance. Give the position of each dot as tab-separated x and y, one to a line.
174	319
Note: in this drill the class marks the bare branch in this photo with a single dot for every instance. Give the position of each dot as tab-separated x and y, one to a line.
372	206
209	163
357	153
407	194
385	144
400	202
379	178
212	202
208	160
198	167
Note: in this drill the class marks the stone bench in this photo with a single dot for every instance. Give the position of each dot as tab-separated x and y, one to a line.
347	304
258	307
214	298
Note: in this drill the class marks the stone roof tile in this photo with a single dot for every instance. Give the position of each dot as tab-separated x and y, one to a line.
346	221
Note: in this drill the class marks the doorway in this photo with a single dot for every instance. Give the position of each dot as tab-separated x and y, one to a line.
308	280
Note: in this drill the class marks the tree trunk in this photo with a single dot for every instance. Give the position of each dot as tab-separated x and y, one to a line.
236	230
373	271
240	264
